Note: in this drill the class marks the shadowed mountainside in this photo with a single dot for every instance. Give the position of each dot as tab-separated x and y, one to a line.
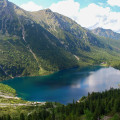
39	43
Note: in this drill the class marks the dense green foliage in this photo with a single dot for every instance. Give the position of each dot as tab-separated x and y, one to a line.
93	107
5	89
116	64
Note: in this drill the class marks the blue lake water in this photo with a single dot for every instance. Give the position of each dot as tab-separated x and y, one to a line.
66	85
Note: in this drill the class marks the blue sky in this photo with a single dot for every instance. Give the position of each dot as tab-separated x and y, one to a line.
83	3
87	13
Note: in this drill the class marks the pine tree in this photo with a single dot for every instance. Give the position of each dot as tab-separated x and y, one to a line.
8	117
22	117
53	114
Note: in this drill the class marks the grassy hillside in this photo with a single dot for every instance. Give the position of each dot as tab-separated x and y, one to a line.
5	89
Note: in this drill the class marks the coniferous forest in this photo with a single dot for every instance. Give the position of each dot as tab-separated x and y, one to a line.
95	106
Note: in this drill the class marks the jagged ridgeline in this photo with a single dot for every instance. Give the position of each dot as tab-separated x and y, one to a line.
106	33
38	43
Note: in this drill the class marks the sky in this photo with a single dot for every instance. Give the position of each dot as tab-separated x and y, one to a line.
88	13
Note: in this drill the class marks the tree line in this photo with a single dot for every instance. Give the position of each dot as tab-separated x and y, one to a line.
93	107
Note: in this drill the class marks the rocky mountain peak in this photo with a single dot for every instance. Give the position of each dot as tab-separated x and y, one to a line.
48	10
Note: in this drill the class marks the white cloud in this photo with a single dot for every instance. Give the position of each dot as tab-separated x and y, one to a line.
92	16
95	16
31	6
114	2
68	8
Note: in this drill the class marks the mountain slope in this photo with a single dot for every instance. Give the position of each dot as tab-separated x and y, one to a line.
27	48
75	39
106	33
68	32
38	43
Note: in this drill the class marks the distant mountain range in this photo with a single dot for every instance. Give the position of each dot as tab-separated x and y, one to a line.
106	33
39	43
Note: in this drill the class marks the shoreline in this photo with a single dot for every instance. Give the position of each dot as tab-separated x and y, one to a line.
53	72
